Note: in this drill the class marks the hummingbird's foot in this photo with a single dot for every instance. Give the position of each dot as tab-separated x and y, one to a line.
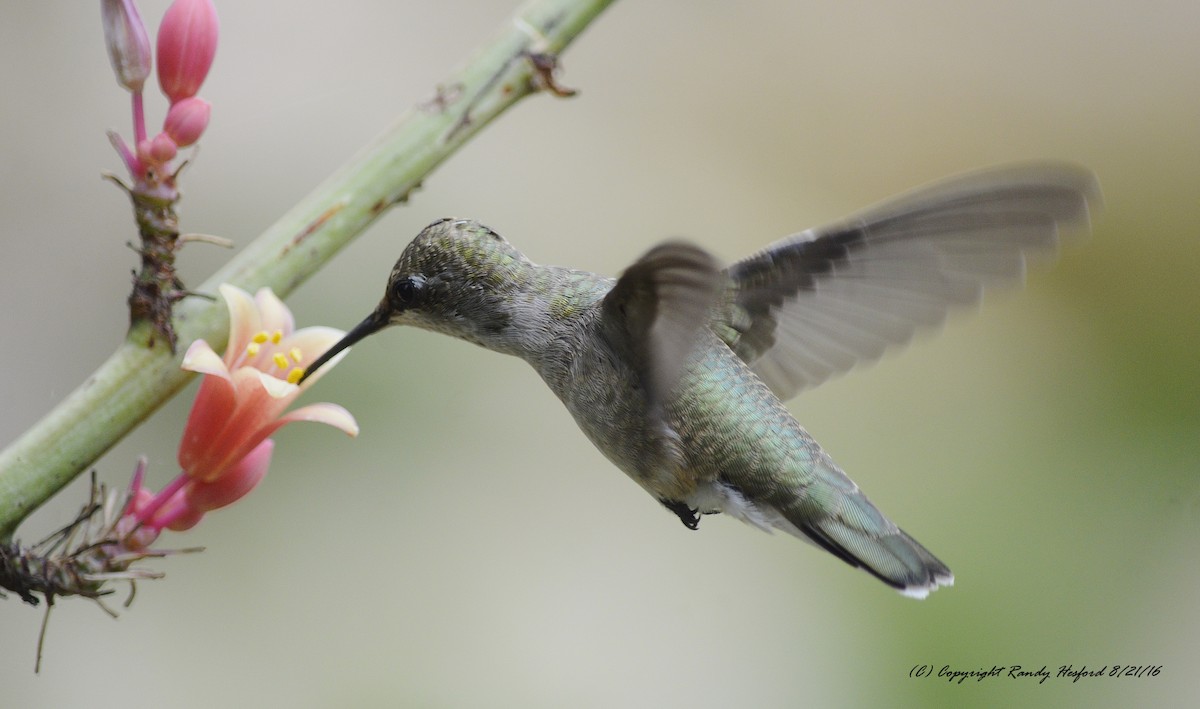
686	514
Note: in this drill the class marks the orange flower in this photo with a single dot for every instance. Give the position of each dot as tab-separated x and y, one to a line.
225	449
244	394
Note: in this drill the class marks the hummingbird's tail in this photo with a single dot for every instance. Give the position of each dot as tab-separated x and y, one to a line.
832	513
835	515
889	555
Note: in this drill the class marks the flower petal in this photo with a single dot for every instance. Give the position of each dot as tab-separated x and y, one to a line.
244	323
331	414
275	315
326	413
203	436
203	359
312	342
275	387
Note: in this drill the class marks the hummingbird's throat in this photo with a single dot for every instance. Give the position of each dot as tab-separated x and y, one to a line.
284	361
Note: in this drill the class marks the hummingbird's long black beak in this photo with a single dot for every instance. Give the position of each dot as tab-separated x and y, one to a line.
375	322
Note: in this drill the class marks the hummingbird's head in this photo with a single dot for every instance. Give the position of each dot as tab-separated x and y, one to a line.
457	277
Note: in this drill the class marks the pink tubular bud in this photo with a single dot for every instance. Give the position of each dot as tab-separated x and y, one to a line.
187	42
158	150
128	43
186	120
162	148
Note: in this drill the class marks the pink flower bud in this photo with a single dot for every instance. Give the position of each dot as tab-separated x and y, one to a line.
157	150
128	43
187	41
186	120
162	148
131	530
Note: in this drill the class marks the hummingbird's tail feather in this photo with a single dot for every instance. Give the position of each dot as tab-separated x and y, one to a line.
833	514
836	516
892	557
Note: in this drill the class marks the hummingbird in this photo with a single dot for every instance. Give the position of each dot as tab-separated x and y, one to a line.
677	370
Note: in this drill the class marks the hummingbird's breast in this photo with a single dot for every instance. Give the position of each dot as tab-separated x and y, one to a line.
610	407
600	389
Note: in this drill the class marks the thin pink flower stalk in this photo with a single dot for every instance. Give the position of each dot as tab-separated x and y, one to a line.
187	43
226	449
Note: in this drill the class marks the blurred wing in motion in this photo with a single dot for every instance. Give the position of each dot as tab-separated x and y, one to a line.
657	310
813	305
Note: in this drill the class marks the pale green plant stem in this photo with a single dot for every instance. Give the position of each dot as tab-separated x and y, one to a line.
137	379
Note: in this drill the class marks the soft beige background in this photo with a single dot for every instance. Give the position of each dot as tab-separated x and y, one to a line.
471	549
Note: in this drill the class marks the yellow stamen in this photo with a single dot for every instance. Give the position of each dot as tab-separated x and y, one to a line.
276	337
295	354
253	349
280	360
294	375
261	336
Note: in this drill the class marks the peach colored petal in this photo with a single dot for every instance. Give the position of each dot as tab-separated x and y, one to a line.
244	322
203	359
312	342
275	315
331	414
275	387
326	413
211	412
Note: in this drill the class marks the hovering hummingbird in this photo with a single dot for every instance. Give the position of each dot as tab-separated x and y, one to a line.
677	370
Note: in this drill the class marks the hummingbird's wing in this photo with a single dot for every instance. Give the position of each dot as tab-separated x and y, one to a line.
813	305
656	311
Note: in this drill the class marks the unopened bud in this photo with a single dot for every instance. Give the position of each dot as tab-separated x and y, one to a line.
186	120
187	42
158	150
128	43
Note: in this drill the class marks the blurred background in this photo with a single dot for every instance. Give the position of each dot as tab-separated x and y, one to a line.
471	549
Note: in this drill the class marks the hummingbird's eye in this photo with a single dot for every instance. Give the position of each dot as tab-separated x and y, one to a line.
406	291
